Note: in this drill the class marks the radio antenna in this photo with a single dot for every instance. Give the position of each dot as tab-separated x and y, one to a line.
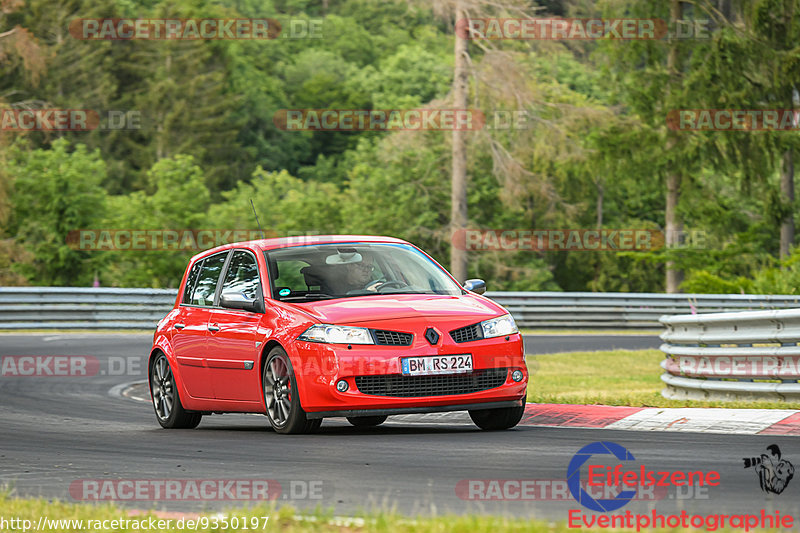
257	221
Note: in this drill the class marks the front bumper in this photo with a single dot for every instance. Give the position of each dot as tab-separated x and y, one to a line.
319	366
416	410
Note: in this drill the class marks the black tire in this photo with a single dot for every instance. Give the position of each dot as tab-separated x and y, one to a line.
496	419
366	421
166	400
281	399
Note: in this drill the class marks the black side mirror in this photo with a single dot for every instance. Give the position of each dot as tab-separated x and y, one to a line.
237	300
477	286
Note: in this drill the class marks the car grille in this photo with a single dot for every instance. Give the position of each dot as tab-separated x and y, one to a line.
468	333
392	338
443	385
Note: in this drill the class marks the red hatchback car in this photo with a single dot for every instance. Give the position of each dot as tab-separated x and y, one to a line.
333	326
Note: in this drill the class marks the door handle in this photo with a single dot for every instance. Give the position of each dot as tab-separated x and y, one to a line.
213	327
179	326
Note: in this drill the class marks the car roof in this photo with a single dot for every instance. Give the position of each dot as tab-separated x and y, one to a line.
301	240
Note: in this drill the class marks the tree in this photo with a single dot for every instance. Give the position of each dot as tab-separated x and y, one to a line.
175	198
286	206
54	192
775	27
458	194
652	76
19	49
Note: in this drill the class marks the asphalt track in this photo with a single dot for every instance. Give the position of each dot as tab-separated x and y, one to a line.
57	431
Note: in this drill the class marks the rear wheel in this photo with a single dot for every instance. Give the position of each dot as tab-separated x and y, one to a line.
281	398
366	421
500	418
166	401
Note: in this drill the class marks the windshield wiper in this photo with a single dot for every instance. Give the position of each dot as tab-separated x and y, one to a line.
315	296
405	292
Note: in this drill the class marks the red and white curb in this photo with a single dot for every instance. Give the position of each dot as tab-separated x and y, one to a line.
685	419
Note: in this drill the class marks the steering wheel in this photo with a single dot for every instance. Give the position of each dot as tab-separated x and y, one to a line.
389	284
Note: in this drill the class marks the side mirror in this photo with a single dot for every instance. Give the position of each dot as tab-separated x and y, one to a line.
237	300
477	286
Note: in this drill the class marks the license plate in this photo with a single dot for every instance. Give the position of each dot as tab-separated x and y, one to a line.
436	364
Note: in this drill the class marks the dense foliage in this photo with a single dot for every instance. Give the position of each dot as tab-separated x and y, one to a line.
594	150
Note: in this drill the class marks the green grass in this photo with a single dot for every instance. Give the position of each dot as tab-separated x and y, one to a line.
284	519
619	377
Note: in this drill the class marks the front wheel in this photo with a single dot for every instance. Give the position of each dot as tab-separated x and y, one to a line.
166	401
366	421
496	419
281	397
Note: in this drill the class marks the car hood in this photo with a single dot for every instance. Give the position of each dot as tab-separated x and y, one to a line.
388	307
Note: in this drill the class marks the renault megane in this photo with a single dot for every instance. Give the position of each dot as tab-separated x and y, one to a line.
333	326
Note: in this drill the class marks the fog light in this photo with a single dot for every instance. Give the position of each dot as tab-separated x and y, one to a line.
516	375
342	385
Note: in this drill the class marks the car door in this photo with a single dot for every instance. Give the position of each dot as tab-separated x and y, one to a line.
232	341
190	338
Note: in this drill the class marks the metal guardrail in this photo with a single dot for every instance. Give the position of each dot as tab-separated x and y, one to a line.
598	310
83	307
732	356
104	308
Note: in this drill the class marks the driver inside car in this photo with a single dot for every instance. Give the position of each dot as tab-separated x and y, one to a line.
358	276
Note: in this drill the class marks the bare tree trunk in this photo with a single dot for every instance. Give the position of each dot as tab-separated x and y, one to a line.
599	211
673	229
673	225
599	207
458	195
787	196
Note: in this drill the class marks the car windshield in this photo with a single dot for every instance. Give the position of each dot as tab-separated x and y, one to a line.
320	272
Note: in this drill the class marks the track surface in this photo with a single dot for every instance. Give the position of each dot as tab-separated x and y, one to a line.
56	430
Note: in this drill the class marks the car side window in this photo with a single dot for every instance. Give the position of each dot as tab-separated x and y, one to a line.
191	279
209	277
242	275
289	275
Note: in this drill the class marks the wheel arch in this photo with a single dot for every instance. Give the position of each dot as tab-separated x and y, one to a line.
293	358
162	348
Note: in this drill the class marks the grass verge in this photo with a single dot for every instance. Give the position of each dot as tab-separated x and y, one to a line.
618	377
88	518
265	518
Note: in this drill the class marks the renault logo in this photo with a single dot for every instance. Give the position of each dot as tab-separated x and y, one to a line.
431	336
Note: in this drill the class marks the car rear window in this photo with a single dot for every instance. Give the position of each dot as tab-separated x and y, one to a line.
203	293
191	279
242	274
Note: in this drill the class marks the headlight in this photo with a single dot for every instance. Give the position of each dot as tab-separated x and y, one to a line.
336	335
499	327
